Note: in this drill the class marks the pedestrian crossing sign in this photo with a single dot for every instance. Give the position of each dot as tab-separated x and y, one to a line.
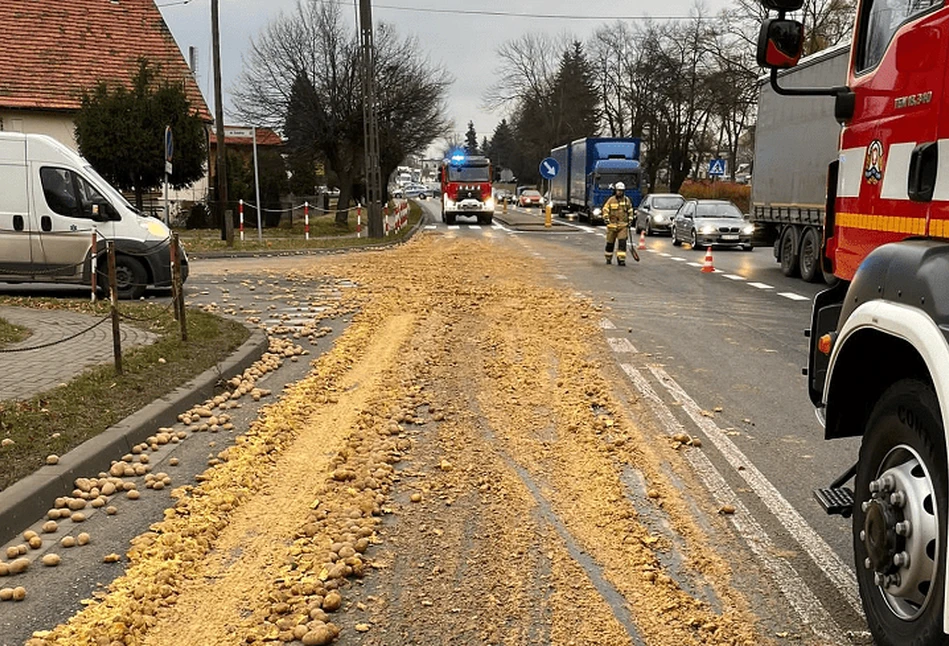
716	168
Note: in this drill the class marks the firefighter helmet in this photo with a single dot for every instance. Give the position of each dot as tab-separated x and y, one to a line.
620	186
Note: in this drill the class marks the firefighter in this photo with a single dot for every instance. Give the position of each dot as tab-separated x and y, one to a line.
618	214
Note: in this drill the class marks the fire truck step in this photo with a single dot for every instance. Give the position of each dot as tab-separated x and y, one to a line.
835	501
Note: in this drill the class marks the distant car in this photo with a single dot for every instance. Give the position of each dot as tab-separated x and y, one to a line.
656	212
708	223
503	194
413	191
529	198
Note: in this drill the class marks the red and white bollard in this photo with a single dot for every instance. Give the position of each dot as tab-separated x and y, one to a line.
385	217
94	262
358	220
240	210
306	220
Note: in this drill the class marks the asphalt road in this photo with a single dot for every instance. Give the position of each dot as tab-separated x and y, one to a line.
731	342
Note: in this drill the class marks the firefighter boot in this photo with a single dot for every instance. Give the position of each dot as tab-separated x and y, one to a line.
609	253
621	253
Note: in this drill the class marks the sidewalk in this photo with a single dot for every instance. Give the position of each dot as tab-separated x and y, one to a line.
24	374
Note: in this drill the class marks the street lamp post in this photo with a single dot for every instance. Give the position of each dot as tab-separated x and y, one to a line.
370	122
227	225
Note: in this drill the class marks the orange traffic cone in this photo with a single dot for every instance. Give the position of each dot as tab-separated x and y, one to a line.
708	267
642	240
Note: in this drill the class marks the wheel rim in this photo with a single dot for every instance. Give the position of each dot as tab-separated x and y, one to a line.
695	241
901	533
123	277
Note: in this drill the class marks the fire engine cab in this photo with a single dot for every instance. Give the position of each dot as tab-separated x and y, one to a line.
879	355
466	188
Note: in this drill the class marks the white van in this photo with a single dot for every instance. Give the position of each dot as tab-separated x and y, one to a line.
51	200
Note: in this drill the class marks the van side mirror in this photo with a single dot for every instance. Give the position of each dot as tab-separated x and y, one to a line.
102	211
780	43
782	5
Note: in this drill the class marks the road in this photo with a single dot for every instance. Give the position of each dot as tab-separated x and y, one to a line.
508	442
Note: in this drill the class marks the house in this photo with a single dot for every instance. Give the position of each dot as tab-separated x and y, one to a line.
57	49
240	139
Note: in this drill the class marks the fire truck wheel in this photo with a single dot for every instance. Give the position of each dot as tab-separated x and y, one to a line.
789	248
485	219
450	218
810	256
899	520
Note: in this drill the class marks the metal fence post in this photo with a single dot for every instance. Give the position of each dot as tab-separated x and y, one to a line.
179	290
94	263
114	295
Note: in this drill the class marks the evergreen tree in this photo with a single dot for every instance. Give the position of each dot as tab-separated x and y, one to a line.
471	139
574	97
121	131
503	146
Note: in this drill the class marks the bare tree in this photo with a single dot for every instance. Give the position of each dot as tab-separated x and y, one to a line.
302	78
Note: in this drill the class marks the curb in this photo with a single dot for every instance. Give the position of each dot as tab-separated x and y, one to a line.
28	499
276	253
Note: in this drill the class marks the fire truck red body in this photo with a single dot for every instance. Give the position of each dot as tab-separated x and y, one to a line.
466	188
879	355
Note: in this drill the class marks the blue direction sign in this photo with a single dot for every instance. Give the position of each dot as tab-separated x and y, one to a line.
716	168
169	144
549	168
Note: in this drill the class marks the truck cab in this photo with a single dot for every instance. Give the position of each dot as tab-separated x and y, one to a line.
466	188
51	202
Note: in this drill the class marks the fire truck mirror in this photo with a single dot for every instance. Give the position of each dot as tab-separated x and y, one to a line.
780	43
782	5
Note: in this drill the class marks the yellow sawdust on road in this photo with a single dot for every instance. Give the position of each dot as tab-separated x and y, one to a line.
464	348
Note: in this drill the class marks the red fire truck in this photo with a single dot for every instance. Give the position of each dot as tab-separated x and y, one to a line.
879	356
466	188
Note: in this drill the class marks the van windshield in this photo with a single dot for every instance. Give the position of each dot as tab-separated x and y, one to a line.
107	188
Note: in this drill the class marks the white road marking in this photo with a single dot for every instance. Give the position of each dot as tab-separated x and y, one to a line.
652	250
431	226
677	259
761	286
695	264
453	227
621	345
606	324
734	277
795	590
794	297
839	573
665	255
474	226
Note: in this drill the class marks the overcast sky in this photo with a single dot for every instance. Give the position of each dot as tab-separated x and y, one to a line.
465	45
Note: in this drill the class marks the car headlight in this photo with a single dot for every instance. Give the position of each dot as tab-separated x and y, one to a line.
449	202
489	204
707	229
748	229
658	219
597	212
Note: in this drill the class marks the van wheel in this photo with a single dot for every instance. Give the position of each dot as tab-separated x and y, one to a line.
130	276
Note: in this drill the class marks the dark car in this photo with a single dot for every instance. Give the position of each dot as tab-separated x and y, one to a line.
656	212
708	223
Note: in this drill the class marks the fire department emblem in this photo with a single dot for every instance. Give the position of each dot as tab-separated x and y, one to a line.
873	166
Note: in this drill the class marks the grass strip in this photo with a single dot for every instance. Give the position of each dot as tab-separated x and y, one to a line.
10	333
66	416
324	234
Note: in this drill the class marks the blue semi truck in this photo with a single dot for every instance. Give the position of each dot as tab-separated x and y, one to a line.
589	168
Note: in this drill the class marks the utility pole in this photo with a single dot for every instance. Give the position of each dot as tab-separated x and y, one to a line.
370	121
227	225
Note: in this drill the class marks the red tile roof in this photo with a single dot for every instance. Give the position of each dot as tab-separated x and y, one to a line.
56	48
244	136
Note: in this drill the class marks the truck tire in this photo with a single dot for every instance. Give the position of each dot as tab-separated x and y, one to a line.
450	217
904	443
485	219
130	276
809	258
788	247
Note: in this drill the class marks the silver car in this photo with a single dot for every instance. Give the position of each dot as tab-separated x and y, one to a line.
656	212
708	223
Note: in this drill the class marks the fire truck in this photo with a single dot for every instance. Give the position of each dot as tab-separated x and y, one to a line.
466	188
879	355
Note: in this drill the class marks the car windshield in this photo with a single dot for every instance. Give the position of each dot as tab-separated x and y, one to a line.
531	193
108	188
718	211
468	174
667	203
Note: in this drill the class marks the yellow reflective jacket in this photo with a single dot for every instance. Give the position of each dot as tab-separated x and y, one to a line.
618	212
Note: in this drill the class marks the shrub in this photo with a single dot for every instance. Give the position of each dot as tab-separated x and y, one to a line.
740	194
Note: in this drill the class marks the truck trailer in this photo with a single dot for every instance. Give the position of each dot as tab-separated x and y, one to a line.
589	168
794	143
